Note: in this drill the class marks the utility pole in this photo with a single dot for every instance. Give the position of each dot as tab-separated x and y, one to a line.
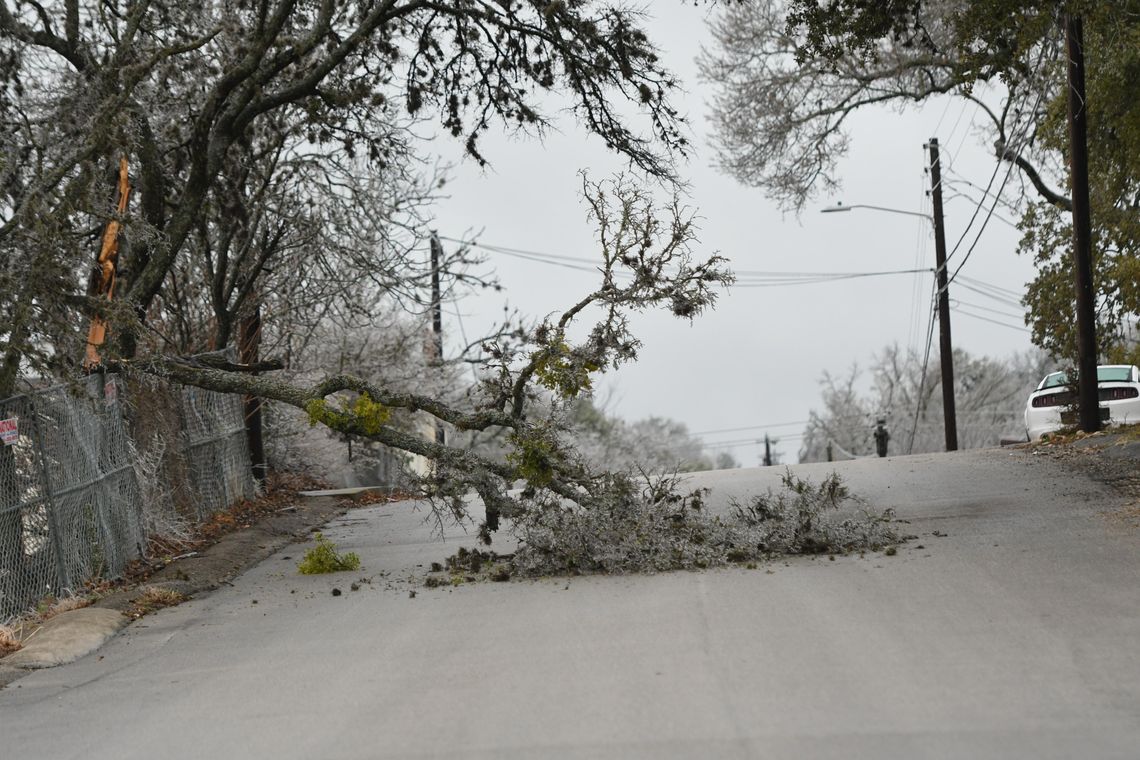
767	451
437	318
945	347
1088	401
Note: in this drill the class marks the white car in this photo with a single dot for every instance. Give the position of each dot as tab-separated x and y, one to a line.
1052	406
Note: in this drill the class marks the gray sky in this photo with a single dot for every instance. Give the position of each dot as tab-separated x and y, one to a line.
756	361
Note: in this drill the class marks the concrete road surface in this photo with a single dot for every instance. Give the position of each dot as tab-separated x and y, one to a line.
1009	628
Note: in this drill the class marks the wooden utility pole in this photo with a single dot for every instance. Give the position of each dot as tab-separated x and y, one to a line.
945	346
767	451
1088	401
437	318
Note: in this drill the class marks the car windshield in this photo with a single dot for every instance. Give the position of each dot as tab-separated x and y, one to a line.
1055	379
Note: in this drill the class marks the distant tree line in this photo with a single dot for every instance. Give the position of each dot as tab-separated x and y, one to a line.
897	388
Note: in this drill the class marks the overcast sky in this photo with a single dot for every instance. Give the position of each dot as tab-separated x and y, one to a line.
756	361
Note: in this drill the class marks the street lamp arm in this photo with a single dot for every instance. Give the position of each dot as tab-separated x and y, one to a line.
841	207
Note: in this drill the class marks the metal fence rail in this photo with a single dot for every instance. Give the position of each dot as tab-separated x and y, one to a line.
70	503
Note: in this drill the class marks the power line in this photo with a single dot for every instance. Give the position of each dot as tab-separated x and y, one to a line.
961	180
992	321
945	109
922	240
750	427
752	442
820	277
985	222
1001	189
999	299
925	364
974	216
991	286
745	278
957	302
971	199
507	249
777	274
542	259
966	132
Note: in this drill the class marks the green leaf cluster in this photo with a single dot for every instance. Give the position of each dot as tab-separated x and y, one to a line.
558	369
362	415
323	558
533	458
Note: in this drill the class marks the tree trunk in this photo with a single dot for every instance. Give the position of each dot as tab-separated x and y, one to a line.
249	352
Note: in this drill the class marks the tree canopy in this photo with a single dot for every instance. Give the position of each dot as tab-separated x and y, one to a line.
275	170
220	106
788	75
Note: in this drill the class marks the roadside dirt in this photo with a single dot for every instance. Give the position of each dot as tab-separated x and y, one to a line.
209	566
221	549
1110	457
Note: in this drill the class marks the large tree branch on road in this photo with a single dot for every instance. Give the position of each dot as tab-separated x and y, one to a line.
206	374
463	468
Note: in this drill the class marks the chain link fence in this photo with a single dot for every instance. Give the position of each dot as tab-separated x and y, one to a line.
214	450
71	503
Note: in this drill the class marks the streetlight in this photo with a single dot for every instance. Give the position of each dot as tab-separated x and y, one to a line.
945	347
840	207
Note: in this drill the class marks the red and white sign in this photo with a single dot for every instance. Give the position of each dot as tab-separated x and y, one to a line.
10	430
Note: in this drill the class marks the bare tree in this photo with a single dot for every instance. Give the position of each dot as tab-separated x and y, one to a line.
185	90
780	117
261	137
656	444
789	74
990	402
646	262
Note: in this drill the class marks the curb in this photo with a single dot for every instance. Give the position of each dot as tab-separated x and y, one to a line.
67	637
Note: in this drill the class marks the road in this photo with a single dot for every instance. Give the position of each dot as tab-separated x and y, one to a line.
1009	628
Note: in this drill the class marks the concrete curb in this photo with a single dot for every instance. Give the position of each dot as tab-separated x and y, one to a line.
67	637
